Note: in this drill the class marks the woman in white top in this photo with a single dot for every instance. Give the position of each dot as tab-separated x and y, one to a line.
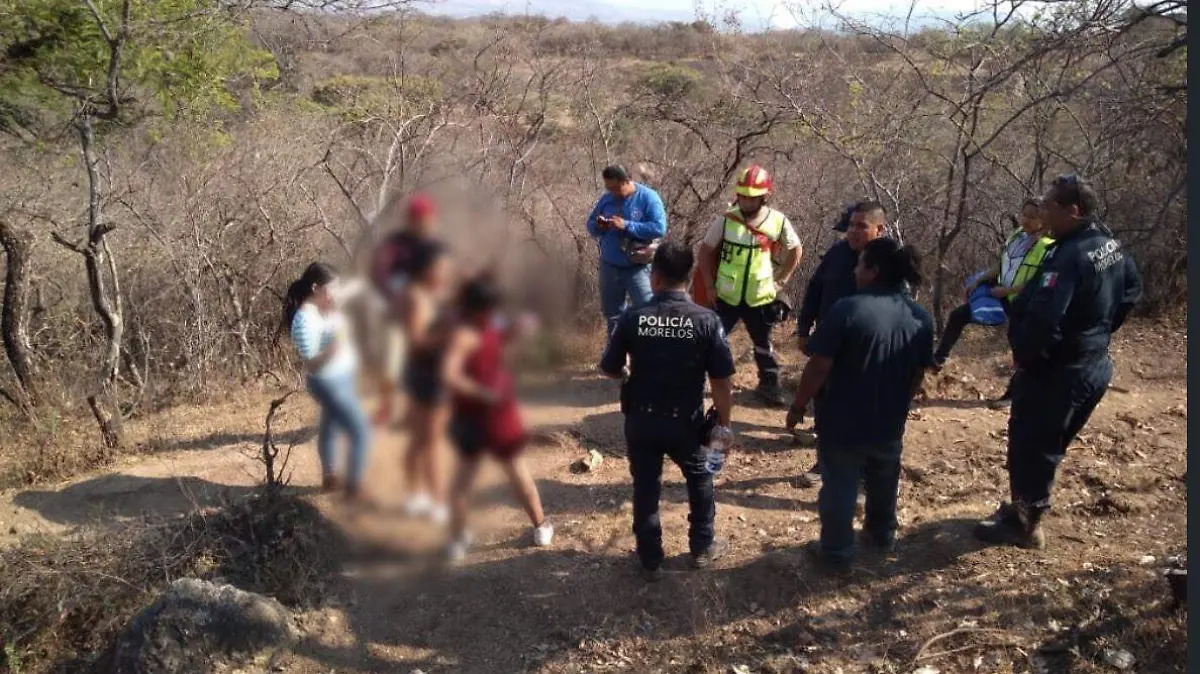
320	332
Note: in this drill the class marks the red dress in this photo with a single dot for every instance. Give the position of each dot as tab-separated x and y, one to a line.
498	428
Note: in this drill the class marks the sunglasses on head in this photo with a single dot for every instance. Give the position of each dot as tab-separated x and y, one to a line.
1067	180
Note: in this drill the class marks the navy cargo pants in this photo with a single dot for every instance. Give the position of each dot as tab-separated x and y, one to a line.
649	439
1048	410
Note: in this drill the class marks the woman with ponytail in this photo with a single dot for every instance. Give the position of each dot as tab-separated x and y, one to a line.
319	331
866	361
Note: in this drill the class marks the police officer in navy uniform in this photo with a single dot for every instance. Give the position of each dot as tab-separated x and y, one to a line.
1060	332
663	351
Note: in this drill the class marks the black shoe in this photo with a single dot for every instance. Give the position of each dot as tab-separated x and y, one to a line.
1000	403
810	477
869	540
837	568
1017	525
808	480
813	474
715	551
771	394
652	575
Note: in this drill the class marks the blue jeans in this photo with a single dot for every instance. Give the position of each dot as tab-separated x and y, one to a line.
616	283
340	409
878	467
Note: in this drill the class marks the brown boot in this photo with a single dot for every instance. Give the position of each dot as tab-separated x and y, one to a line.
330	483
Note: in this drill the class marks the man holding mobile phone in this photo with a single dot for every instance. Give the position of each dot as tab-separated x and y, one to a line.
628	220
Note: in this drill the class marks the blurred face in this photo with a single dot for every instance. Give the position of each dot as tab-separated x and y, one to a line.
423	225
864	228
323	295
437	278
750	206
1031	219
864	276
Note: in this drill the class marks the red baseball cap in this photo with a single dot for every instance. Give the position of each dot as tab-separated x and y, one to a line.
420	207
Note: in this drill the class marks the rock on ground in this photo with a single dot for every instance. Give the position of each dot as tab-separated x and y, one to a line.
198	627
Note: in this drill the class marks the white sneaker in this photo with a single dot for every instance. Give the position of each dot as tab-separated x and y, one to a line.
439	515
417	505
542	535
457	551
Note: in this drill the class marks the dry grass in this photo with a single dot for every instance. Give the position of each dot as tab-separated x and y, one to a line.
942	600
58	444
62	600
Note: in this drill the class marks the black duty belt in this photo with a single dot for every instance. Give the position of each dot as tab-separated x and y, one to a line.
666	411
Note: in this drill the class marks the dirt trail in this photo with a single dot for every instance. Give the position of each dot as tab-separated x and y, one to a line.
580	606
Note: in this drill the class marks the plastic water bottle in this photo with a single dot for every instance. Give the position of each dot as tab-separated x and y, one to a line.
715	461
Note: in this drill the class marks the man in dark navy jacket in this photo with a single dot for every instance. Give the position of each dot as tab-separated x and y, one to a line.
1060	333
834	276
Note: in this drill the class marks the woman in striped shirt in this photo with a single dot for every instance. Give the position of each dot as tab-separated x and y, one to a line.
319	330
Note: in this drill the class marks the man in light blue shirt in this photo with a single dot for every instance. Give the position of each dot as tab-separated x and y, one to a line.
627	219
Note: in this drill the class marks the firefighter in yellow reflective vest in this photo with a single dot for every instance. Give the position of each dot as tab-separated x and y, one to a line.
748	254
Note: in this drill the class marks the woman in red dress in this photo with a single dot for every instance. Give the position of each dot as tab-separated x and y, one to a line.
486	417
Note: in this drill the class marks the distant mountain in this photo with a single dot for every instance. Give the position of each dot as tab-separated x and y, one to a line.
755	14
606	12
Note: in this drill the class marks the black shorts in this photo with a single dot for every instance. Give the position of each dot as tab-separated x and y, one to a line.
423	382
470	439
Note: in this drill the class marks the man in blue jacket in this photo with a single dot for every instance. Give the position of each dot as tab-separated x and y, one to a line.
628	220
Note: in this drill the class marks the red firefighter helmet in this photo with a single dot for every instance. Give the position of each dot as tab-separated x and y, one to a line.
753	181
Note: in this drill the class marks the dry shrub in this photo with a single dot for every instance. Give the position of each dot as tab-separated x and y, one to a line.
63	600
54	446
559	350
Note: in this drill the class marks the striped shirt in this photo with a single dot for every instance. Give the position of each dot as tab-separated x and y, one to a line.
311	332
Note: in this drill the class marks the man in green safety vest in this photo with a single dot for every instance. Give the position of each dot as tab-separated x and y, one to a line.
748	254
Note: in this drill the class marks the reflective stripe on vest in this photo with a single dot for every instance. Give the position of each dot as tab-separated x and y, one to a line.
1032	260
746	274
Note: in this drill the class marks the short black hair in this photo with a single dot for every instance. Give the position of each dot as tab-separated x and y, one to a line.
615	172
673	261
480	295
868	206
1072	190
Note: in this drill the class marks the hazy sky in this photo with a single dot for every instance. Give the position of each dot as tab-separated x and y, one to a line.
755	14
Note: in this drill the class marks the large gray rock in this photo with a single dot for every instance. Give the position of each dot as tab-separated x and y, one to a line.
198	627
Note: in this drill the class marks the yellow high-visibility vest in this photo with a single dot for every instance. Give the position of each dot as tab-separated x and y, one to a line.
746	274
1032	261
